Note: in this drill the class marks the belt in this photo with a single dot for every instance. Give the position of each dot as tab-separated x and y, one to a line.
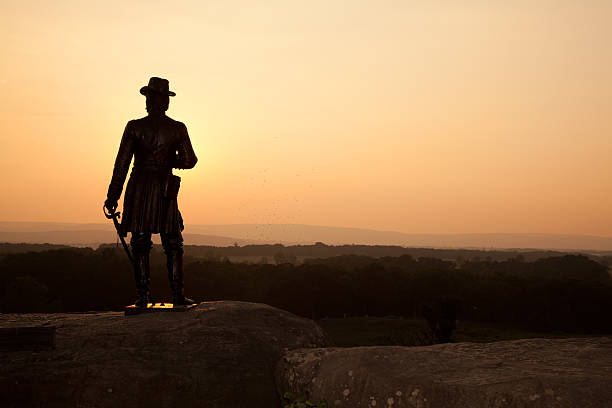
152	168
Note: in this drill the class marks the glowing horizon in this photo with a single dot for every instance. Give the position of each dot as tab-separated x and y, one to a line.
468	117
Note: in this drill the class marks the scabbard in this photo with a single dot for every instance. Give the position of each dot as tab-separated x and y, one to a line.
115	217
125	246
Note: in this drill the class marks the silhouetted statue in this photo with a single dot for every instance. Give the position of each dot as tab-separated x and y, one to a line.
158	144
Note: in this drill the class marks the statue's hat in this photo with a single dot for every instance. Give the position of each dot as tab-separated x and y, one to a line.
157	85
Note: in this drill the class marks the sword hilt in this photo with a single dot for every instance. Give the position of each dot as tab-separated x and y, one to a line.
114	215
109	214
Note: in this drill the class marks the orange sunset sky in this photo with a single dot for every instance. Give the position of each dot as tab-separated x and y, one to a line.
417	116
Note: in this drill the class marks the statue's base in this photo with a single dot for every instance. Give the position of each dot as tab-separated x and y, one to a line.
156	308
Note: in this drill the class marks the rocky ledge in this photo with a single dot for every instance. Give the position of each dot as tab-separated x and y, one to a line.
521	373
236	354
219	354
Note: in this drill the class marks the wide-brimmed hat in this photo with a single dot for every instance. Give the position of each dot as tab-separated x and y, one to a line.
157	85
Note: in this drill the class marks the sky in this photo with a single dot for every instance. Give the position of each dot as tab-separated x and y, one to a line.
463	116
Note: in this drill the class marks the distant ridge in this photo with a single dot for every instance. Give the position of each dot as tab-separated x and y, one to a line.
307	234
291	234
91	235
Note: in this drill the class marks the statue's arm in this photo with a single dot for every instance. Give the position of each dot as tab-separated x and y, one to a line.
185	157
122	163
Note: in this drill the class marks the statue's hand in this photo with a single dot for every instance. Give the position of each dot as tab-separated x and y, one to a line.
111	205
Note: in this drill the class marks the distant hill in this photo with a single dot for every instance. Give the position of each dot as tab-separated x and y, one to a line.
291	234
92	235
308	234
10	248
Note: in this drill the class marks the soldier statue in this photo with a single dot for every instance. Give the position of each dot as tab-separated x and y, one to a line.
158	144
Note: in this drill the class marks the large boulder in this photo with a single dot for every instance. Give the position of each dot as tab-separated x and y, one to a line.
220	354
521	373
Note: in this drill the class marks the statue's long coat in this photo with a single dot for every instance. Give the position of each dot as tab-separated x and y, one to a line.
158	144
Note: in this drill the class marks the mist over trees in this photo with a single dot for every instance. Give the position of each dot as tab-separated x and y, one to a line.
561	293
321	250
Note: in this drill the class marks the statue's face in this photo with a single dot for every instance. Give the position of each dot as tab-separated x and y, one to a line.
157	103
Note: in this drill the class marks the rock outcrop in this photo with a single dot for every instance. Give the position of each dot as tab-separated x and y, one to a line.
220	354
238	354
521	373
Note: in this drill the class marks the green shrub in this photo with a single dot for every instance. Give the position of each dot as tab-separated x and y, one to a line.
292	401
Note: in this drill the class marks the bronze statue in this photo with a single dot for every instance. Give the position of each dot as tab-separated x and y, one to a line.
158	144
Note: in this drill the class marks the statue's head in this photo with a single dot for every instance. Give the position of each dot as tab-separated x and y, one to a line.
157	94
157	103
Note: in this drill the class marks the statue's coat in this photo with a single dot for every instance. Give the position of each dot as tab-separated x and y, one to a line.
158	144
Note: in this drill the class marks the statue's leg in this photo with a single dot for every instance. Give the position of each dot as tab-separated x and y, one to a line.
173	248
141	247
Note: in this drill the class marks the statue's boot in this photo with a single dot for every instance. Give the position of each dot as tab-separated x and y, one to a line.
143	279
174	263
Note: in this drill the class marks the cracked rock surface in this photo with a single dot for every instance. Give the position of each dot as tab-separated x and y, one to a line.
520	373
219	354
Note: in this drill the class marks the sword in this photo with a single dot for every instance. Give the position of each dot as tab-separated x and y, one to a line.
115	217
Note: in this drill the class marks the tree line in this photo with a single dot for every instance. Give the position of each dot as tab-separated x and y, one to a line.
561	293
279	252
